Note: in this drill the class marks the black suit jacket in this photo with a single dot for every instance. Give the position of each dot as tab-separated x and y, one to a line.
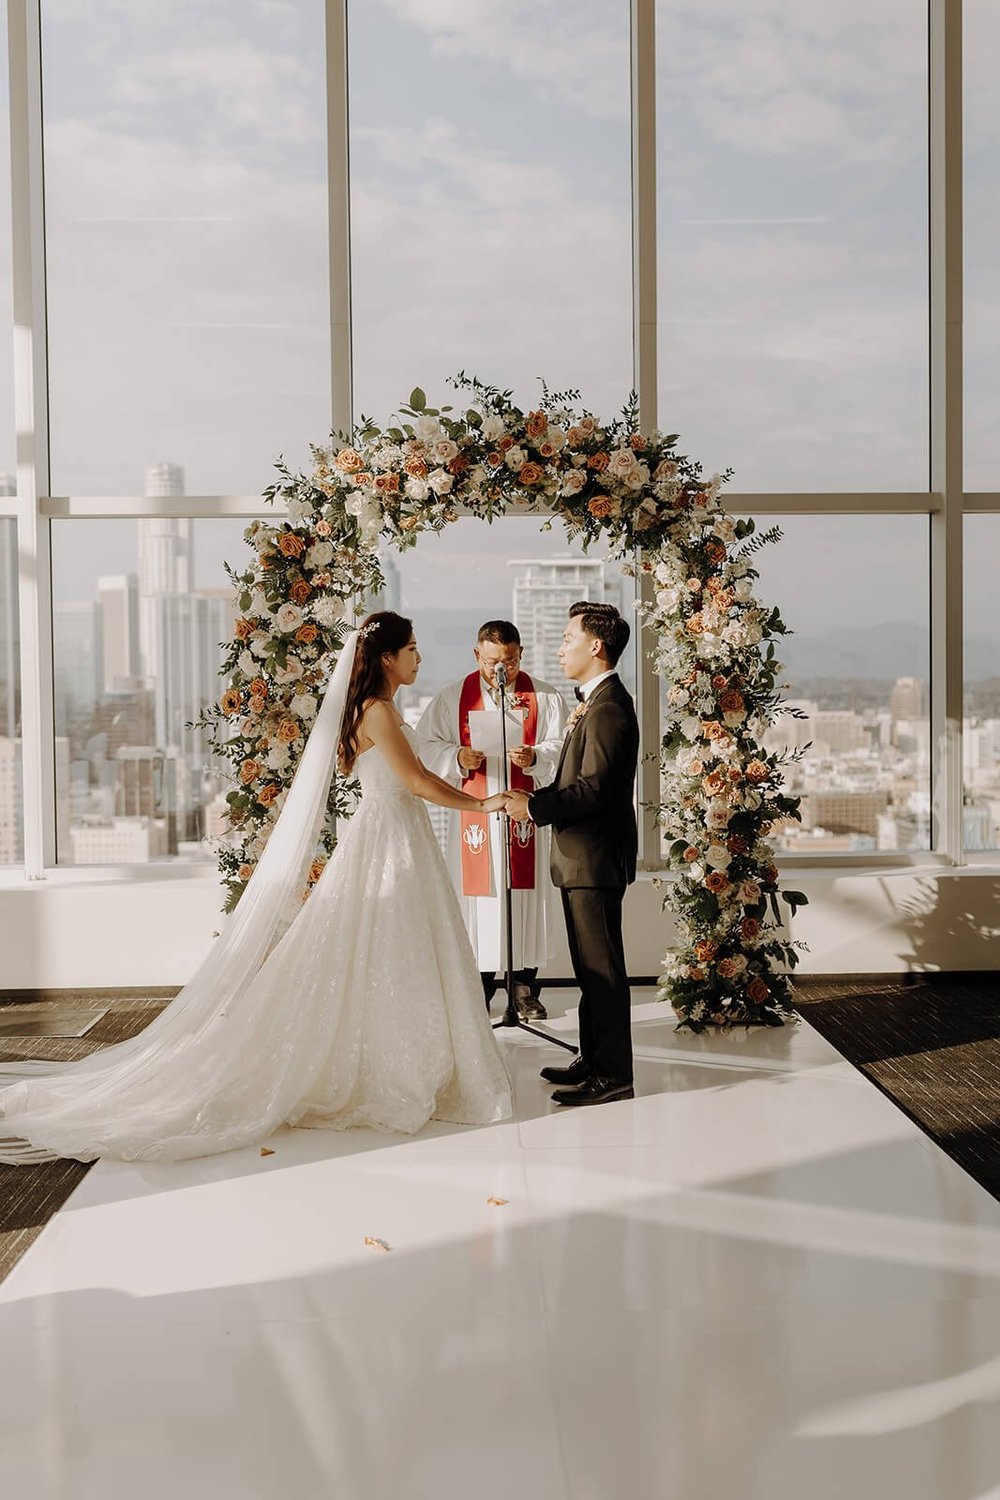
589	805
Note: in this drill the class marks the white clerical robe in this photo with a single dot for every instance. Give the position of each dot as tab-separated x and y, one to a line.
536	914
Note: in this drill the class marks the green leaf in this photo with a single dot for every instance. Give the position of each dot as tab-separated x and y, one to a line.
417	399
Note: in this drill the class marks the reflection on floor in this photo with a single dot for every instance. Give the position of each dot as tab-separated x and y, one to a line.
757	1279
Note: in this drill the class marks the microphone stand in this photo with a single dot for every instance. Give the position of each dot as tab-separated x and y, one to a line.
510	1016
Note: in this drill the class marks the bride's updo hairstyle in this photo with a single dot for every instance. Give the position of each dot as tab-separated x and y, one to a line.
384	631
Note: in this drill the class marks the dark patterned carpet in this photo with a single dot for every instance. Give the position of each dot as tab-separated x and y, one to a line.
932	1043
29	1196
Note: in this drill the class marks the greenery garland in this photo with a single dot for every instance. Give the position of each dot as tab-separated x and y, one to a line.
722	793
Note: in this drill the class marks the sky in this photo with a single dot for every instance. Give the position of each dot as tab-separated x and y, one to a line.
187	253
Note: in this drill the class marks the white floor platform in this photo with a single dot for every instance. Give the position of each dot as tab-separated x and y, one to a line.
757	1280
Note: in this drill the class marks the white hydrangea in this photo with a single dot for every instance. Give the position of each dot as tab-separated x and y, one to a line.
328	610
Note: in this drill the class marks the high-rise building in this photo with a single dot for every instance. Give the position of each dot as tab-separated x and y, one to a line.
79	667
118	600
10	627
543	593
12	798
908	699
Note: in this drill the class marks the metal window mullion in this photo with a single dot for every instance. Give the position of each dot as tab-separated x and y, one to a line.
339	217
32	421
644	295
946	421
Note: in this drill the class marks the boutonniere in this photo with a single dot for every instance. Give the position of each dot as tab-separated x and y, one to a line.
576	716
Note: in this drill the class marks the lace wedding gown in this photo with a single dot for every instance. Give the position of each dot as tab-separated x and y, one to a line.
367	1011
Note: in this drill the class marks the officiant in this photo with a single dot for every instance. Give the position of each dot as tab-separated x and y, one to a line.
536	716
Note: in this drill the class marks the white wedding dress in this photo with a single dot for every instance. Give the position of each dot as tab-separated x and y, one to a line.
367	1011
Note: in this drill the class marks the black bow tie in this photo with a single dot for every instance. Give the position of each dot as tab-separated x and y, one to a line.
579	695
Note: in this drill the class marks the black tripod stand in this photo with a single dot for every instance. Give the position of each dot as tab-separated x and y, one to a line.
510	1016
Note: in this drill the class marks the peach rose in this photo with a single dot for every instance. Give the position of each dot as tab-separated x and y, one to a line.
637	442
387	484
530	473
757	991
323	528
575	436
719	681
300	591
244	629
598	461
259	687
691	854
714	783
288	730
695	625
588	425
364	479
267	794
717	882
749	929
231	702
600	506
249	771
536	424
244	872
257	703
349	461
494	458
726	968
696	974
732	702
506	444
547	448
291	545
757	771
316	869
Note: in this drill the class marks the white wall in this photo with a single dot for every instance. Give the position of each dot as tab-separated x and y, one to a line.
83	929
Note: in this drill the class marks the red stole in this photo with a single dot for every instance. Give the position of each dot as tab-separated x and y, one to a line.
475	825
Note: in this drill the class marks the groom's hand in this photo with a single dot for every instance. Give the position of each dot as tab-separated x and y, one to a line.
517	806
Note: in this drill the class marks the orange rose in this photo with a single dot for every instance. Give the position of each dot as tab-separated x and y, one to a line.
306	634
705	951
530	473
726	968
244	629
244	872
757	771
300	591
696	974
494	458
598	462
718	681
249	771
716	881
259	687
714	783
575	436
267	794
231	702
695	625
416	468
637	442
757	991
290	545
536	424
749	929
732	702
349	461
364	479
600	506
316	869
288	730
715	551
723	599
505	444
460	463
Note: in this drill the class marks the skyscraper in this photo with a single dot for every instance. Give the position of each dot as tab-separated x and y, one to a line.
118	599
907	699
543	594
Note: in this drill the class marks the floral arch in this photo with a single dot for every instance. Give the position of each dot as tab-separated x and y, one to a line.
721	791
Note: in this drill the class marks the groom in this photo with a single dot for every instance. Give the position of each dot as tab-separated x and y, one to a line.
589	806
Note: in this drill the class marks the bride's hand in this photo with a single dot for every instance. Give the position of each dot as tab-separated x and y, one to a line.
496	803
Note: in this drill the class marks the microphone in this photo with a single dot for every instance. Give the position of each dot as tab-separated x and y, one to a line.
500	676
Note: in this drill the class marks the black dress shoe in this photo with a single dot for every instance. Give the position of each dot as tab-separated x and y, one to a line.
528	1005
595	1091
577	1072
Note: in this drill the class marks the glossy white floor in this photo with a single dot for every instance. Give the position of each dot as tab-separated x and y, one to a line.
756	1280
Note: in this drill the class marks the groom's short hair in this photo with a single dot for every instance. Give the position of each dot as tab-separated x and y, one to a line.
604	624
500	632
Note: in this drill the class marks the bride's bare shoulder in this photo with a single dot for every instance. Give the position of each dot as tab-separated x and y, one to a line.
377	713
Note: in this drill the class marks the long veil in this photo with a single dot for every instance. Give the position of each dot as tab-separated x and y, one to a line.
161	1081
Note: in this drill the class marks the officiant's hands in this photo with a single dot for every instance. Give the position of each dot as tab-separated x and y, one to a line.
469	759
517	806
522	756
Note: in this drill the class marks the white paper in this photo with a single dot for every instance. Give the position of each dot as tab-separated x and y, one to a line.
484	730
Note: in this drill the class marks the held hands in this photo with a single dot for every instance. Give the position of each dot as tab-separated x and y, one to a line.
496	803
517	805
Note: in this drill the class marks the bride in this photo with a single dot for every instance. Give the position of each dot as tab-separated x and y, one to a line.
362	1007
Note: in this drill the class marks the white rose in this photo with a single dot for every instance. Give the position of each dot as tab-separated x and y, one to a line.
440	481
718	815
718	857
621	462
696	871
355	503
289	618
319	554
739	961
444	450
298	510
752	800
369	531
258	604
427	428
292	672
258	642
417	489
664	573
278	758
633	480
249	727
516	459
493	427
667	599
690	728
573	482
247	664
556	437
743	589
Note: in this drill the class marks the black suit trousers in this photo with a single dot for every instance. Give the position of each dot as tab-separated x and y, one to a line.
597	949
